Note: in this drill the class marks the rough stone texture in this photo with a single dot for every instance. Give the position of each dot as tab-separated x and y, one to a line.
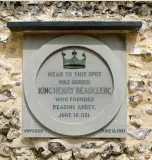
137	145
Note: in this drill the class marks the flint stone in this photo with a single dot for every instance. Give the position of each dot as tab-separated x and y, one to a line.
4	125
2	138
5	36
139	134
22	151
5	151
65	155
56	147
6	95
111	148
76	152
135	64
15	121
81	153
8	112
128	149
13	133
146	74
148	109
136	122
88	145
136	85
42	150
135	98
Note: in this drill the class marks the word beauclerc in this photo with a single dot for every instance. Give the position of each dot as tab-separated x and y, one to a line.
74	90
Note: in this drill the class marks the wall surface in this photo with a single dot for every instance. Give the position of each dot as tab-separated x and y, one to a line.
138	144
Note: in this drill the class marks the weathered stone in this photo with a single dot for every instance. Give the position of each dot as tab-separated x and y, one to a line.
141	147
56	147
13	133
9	112
76	153
42	149
136	122
145	157
5	65
24	154
111	148
69	14
15	121
136	85
121	157
6	95
150	82
2	138
135	98
146	55
5	151
150	90
135	64
64	156
4	125
53	158
128	149
138	133
8	83
4	37
97	157
148	109
91	144
146	74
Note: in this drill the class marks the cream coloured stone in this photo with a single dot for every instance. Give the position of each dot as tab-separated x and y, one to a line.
8	112
121	157
150	90
135	64
53	158
64	156
148	109
8	83
98	157
141	147
5	65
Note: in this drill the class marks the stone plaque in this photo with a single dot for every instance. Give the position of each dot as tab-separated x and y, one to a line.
74	85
